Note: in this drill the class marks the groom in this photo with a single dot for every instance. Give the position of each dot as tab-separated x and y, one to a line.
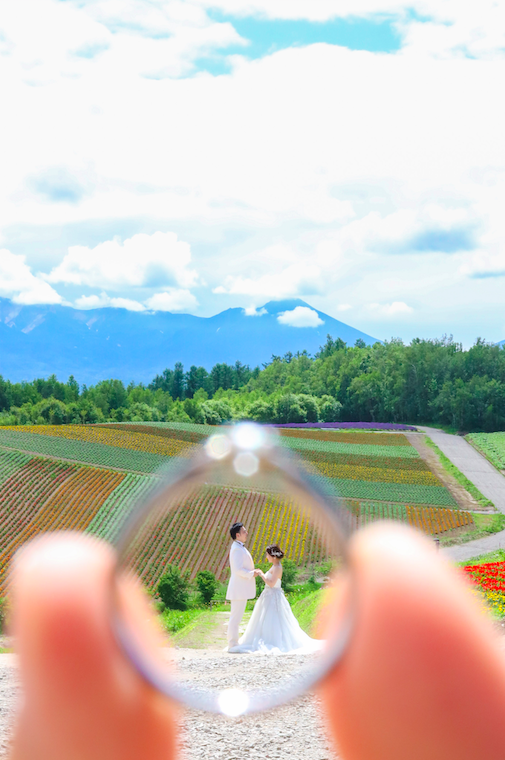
242	585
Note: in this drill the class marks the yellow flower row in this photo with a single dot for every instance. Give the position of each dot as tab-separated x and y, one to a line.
434	521
122	439
283	522
376	474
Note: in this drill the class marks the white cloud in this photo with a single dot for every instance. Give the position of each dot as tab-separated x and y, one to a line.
300	316
103	300
172	300
489	263
262	155
18	283
295	279
143	260
397	308
253	311
344	307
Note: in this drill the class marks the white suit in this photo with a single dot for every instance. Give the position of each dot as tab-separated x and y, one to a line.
241	587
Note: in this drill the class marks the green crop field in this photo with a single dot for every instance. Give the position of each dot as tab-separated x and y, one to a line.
87	477
492	445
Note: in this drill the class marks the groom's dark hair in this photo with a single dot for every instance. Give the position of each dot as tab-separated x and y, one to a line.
235	528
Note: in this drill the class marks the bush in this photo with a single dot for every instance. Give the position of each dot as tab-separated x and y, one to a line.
216	412
207	585
173	588
289	574
261	411
3	614
330	409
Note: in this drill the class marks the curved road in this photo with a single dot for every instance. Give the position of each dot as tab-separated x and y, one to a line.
484	476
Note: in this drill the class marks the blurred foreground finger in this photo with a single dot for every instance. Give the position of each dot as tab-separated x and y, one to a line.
424	677
82	699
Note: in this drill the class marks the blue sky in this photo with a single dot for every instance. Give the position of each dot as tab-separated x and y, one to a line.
266	36
200	154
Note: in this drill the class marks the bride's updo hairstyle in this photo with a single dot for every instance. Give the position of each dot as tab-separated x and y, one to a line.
275	551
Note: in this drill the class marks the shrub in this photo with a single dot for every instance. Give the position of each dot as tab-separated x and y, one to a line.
3	614
289	574
207	585
216	411
173	588
330	409
261	411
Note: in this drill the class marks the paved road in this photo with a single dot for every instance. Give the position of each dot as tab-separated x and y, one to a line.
488	480
464	552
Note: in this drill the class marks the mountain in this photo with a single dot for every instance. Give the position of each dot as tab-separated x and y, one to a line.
36	341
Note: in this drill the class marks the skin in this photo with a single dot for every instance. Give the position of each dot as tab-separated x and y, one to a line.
271	580
423	676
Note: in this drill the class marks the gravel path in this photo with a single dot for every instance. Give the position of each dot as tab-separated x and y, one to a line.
295	731
483	475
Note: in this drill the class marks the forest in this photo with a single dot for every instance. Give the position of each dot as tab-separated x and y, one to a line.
426	381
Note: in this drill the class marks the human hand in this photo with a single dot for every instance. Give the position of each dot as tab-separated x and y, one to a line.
82	699
423	675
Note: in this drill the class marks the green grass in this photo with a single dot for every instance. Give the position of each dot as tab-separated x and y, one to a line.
498	555
450	468
305	609
174	621
491	445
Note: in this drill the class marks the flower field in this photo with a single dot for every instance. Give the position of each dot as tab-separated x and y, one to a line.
88	477
430	520
375	466
195	536
44	495
492	445
489	578
86	452
119	438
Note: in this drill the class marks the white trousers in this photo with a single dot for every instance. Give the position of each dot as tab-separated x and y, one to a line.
236	615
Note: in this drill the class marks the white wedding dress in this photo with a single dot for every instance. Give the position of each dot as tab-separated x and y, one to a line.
273	629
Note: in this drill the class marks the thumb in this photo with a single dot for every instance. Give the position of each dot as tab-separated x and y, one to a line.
423	676
83	701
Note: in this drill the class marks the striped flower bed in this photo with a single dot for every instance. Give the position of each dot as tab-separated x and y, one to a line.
489	578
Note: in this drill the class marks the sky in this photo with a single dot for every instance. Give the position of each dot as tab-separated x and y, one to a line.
200	155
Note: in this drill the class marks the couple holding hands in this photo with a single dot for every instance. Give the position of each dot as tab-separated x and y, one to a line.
272	627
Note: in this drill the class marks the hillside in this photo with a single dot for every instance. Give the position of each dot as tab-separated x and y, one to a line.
87	477
37	341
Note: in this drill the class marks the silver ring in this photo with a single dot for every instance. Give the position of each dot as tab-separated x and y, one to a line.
223	449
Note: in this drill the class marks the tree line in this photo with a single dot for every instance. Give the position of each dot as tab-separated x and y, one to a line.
426	381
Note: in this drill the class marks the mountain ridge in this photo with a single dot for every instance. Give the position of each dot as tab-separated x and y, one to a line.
36	341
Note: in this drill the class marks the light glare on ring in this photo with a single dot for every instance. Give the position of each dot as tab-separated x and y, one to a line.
233	702
249	436
218	446
246	464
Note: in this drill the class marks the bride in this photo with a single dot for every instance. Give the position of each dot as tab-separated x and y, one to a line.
273	628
